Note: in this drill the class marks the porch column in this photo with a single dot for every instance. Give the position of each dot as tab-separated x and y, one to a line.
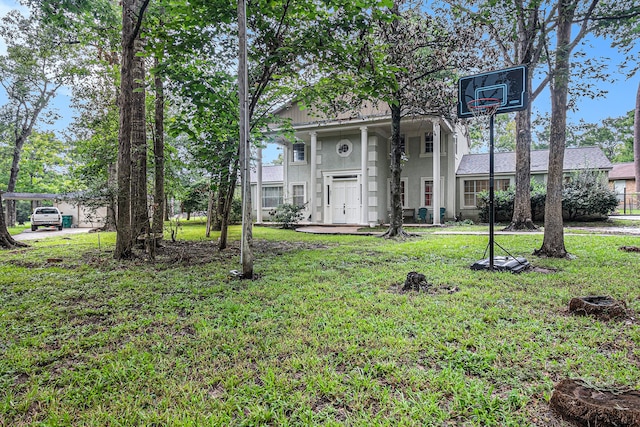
364	182
285	171
259	186
312	180
436	171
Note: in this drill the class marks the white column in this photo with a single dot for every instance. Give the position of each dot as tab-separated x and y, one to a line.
285	171
364	154
259	186
312	180
436	171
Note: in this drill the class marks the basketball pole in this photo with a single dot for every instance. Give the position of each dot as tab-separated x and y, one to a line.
491	192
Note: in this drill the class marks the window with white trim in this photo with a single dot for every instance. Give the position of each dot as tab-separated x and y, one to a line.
271	197
427	145
298	152
474	187
427	191
297	194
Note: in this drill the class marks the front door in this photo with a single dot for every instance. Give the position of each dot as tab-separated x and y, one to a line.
346	201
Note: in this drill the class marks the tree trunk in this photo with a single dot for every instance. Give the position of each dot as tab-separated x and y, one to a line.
124	238
247	229
553	242
636	140
6	241
140	213
522	219
395	221
110	218
158	154
228	201
210	211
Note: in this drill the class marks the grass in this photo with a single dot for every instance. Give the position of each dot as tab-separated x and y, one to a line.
18	228
324	336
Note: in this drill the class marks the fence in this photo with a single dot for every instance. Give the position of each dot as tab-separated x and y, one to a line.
628	203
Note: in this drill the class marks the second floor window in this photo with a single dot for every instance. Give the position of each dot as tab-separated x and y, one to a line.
298	152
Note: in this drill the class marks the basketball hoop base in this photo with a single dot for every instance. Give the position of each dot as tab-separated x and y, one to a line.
503	263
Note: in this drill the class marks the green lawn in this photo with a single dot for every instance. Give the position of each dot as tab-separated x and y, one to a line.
324	336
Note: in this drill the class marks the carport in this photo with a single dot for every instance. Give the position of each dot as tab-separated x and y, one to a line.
36	200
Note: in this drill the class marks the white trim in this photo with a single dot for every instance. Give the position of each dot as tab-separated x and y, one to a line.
304	192
327	186
423	179
292	161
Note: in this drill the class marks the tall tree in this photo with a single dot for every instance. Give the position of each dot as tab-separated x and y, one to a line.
517	31
636	140
587	14
408	62
38	62
132	16
553	243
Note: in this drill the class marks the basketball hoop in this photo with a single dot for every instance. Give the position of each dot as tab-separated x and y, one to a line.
483	107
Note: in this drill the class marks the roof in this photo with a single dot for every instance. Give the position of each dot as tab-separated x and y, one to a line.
270	173
505	163
29	196
623	171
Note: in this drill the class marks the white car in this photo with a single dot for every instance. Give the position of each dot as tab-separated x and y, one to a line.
46	217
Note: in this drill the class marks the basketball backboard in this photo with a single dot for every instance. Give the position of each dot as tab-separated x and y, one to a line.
507	85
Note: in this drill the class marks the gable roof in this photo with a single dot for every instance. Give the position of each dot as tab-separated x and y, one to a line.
505	163
623	171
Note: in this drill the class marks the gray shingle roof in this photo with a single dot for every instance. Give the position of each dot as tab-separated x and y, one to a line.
505	163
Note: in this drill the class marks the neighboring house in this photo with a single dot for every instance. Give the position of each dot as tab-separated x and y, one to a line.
473	172
622	180
340	168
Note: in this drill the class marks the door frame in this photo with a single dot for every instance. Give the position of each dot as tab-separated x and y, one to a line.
327	185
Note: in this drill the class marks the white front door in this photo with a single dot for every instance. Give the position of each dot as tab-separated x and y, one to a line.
346	201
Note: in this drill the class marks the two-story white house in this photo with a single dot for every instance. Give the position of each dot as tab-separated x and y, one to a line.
340	168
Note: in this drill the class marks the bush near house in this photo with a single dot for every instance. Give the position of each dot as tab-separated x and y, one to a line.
504	200
288	215
586	195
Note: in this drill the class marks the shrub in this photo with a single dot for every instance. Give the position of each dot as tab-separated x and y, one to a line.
503	202
288	215
587	194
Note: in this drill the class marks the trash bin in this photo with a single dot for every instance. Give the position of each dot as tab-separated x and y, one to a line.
67	221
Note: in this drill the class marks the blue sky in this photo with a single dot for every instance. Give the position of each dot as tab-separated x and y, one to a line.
619	99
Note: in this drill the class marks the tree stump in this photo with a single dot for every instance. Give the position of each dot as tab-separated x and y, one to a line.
415	282
601	307
589	407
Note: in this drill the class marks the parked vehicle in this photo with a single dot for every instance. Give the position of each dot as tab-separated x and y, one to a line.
46	217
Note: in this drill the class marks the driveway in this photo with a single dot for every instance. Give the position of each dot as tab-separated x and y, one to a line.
42	233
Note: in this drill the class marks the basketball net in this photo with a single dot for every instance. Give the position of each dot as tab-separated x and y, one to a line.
482	108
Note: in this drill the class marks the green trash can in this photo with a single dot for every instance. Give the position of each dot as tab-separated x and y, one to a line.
67	221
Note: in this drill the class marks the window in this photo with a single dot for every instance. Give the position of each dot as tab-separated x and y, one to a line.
298	152
297	194
473	188
428	142
428	193
403	186
344	148
271	197
427	147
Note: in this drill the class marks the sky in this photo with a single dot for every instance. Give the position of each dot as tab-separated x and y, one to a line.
619	99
